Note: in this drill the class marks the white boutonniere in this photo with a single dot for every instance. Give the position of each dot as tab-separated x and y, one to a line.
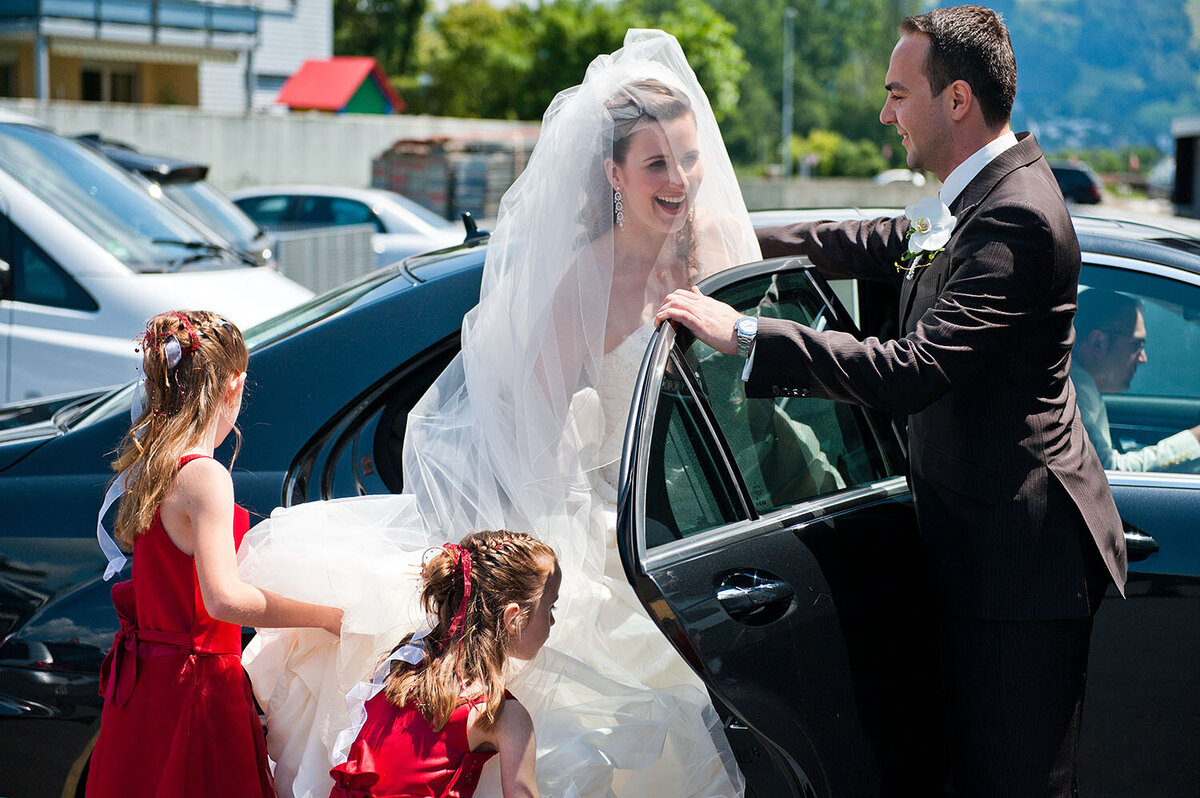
929	228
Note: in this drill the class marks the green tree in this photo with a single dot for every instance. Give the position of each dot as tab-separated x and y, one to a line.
842	49
473	75
529	54
384	29
837	156
707	39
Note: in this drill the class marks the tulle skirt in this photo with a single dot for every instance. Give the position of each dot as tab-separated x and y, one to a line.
615	708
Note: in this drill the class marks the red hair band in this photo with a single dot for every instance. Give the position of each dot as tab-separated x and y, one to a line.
462	559
193	336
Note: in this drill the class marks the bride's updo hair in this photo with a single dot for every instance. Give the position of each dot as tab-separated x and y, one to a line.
468	643
636	102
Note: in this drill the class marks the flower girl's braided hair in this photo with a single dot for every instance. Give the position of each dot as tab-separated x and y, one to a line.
188	359
468	642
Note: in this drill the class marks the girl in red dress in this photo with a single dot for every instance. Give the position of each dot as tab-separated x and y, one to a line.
178	715
440	710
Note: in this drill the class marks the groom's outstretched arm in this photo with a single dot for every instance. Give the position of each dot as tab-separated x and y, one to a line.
863	248
1000	292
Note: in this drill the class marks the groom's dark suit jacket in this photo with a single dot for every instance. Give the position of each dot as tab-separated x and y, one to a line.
1010	496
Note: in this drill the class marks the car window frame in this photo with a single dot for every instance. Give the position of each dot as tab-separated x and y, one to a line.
636	557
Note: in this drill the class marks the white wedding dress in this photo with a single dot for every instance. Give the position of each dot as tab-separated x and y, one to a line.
633	721
523	431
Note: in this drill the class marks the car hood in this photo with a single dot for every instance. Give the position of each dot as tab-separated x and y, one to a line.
24	426
245	295
17	442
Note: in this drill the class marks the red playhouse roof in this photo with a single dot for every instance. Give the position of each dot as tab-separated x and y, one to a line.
330	85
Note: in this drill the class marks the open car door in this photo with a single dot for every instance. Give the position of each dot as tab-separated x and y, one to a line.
774	543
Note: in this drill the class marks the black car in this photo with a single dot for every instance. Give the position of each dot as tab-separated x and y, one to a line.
1078	182
183	184
773	541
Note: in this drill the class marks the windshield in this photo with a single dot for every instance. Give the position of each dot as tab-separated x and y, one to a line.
97	197
216	210
260	335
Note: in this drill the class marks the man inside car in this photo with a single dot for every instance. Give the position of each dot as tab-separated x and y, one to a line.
1110	344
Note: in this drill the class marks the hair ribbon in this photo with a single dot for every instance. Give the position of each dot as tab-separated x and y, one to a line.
116	557
463	560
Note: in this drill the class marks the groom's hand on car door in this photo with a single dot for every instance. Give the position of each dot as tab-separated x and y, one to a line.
709	320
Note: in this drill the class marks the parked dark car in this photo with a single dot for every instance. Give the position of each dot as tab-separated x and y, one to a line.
184	184
1078	182
793	591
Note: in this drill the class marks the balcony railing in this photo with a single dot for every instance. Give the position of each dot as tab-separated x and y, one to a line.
212	17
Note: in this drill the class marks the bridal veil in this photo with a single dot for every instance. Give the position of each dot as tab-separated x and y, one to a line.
522	431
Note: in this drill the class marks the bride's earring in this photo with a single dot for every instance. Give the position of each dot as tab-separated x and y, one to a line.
691	213
619	208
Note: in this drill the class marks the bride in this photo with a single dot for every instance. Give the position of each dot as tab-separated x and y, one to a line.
628	195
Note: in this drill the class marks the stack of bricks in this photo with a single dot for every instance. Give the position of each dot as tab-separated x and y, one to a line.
453	176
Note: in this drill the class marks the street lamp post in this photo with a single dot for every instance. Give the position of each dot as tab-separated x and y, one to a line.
789	24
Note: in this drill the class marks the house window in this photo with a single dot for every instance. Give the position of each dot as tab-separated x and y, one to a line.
8	80
108	83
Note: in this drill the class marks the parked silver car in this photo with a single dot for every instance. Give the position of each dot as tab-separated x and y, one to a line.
402	227
87	255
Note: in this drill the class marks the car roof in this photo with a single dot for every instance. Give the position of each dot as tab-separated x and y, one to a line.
364	194
13	118
160	168
1170	240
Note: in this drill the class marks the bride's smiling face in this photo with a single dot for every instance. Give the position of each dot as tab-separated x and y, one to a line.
660	175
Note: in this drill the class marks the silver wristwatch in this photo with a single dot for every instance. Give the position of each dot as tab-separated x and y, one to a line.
745	329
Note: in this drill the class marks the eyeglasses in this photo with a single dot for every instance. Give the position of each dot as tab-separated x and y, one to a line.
1139	344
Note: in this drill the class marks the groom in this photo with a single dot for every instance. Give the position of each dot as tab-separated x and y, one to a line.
1015	513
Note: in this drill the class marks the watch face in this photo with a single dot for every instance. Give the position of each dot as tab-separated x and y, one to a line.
747	325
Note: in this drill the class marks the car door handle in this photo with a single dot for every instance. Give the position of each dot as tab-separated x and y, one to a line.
754	597
1138	545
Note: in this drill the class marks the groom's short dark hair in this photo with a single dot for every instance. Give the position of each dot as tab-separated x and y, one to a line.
970	43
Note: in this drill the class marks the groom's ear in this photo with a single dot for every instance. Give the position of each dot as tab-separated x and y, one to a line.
961	99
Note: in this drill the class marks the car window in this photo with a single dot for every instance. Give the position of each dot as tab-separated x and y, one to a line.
1136	368
269	213
690	487
335	212
362	454
38	280
1071	180
214	209
782	450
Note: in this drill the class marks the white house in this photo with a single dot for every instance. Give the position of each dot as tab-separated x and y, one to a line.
220	55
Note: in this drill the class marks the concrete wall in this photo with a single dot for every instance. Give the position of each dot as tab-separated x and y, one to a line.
259	149
831	192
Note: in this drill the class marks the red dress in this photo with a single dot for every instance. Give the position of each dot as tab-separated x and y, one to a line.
397	754
178	719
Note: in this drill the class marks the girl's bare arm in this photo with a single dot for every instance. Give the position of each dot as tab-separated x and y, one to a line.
204	494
